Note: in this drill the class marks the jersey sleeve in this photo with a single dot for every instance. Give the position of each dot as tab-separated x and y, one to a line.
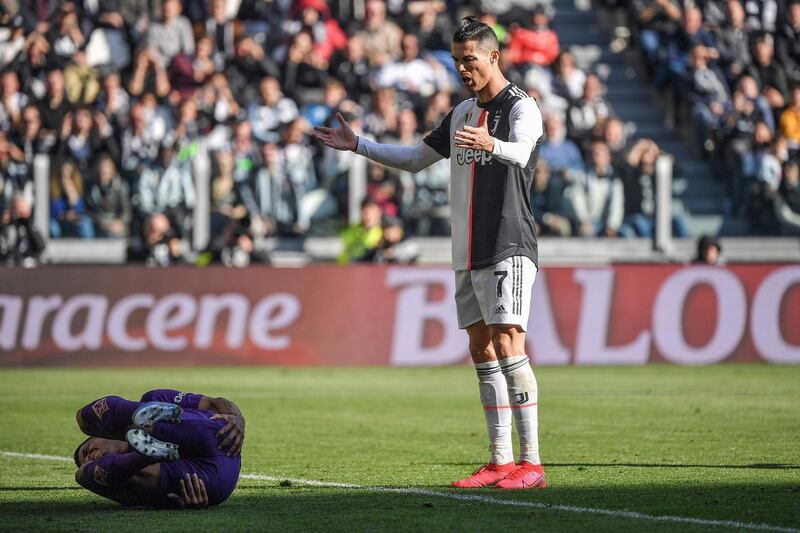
526	129
188	400
439	139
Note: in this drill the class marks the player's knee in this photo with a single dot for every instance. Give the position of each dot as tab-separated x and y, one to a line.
503	342
481	352
82	476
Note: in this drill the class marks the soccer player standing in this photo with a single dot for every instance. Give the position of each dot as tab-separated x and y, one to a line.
492	141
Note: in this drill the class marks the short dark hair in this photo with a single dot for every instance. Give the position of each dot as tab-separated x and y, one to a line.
472	29
78	451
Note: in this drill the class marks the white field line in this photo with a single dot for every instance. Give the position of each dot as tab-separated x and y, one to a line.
479	498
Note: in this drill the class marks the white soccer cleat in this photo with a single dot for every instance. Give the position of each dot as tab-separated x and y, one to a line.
152	412
149	446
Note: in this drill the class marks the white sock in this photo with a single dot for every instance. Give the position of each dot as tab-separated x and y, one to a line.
523	394
494	397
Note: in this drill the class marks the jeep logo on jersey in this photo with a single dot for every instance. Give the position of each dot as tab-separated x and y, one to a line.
467	156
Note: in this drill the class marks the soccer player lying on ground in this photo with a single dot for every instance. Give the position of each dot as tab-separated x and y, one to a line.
493	142
170	449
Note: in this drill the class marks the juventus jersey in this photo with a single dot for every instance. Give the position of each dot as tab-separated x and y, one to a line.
492	218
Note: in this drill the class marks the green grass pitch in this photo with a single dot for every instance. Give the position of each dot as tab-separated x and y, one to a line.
718	443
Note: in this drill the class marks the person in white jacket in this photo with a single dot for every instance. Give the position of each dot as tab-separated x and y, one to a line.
596	200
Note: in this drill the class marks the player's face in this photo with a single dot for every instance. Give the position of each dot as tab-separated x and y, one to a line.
474	65
95	448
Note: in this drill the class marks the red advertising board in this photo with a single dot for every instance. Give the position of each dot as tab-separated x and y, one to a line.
367	315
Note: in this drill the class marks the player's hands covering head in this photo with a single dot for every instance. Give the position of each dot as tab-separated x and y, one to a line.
341	138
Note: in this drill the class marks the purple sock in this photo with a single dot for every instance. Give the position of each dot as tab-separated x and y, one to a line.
115	470
107	417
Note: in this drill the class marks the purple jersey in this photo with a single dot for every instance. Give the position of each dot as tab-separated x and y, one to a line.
196	437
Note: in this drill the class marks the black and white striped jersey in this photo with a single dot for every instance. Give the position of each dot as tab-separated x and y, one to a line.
490	202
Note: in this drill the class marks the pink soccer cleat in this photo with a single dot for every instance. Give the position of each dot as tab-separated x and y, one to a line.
487	475
526	476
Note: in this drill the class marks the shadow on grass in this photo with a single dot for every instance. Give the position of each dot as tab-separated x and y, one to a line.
753	466
267	506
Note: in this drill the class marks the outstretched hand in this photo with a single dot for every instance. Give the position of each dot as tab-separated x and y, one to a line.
341	138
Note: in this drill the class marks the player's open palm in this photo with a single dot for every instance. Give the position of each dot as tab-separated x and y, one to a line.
341	138
193	493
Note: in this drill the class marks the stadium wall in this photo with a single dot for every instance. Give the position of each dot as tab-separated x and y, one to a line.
369	315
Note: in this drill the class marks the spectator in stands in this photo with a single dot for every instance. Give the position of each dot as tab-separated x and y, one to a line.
733	42
709	251
84	135
54	106
536	45
334	94
314	18
298	163
161	246
560	153
787	202
690	34
226	203
113	101
108	46
383	119
108	201
13	100
32	64
250	63
381	37
167	187
569	79
273	112
412	74
149	74
392	248
547	199
171	36
639	186
359	241
68	216
352	68
66	36
141	142
32	139
15	178
658	19
790	122
21	244
763	191
187	74
433	27
595	199
708	94
787	42
740	141
615	136
82	82
303	69
587	112
223	31
769	74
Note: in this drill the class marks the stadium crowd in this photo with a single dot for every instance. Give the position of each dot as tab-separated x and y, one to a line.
733	68
127	96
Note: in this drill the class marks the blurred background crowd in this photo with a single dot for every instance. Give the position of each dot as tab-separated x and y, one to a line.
125	96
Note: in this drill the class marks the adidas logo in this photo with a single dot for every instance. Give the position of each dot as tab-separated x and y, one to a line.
500	310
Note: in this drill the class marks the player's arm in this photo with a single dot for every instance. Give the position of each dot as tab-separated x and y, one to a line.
526	129
408	158
231	436
232	433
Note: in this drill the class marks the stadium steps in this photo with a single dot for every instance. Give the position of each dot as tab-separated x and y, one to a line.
698	195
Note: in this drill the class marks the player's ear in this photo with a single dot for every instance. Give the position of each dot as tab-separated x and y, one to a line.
494	56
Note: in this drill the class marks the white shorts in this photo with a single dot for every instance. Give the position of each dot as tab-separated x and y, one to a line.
499	294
